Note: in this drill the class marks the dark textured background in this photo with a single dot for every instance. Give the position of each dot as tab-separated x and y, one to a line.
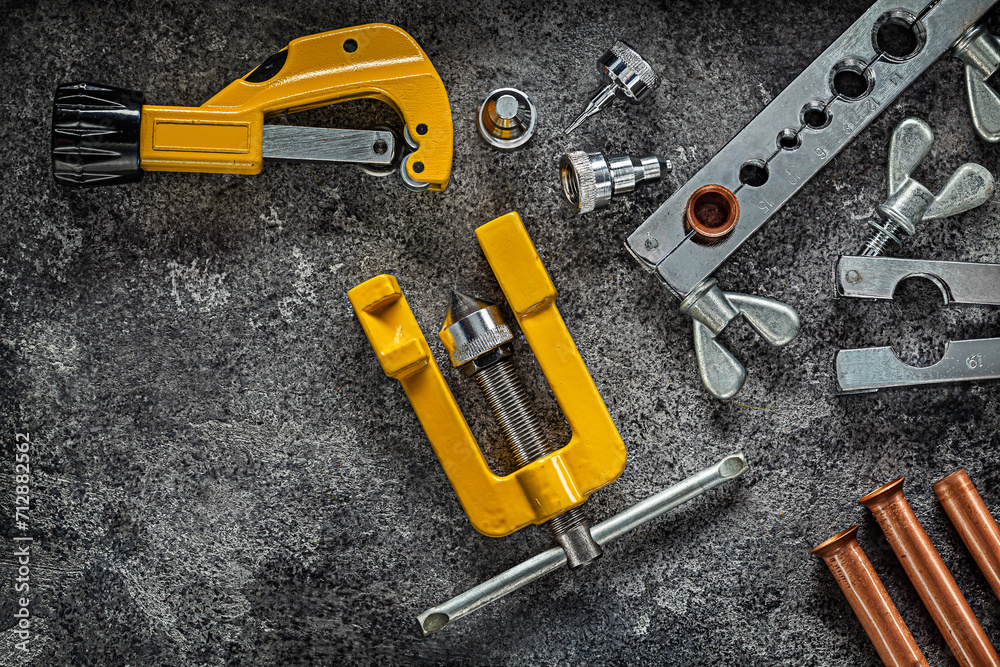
222	473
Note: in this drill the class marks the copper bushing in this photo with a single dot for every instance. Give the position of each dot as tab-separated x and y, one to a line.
712	212
974	523
929	576
869	600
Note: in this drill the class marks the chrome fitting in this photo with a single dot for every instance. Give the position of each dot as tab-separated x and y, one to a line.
628	76
590	180
507	119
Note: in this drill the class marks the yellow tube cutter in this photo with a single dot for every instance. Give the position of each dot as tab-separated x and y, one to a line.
103	135
547	486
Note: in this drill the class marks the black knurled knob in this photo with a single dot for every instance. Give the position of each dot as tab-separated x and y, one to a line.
95	135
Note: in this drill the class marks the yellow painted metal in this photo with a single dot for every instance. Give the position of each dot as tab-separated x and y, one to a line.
225	134
500	505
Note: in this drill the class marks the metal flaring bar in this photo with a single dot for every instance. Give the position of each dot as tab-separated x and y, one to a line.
711	216
548	561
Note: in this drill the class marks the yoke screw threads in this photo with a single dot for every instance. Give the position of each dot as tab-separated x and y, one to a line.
478	342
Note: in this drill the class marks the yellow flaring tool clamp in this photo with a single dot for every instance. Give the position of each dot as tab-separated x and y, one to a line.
551	483
103	135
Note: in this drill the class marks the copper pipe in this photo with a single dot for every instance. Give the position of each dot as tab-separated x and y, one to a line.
974	523
869	600
712	212
928	574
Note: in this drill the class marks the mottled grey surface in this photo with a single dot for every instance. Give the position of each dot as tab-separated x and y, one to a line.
222	473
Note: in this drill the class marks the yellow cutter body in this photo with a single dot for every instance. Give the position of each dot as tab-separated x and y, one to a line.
371	61
500	505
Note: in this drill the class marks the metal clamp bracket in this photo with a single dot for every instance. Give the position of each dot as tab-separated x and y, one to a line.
874	368
500	505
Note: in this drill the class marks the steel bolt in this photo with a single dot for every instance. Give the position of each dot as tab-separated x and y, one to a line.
478	341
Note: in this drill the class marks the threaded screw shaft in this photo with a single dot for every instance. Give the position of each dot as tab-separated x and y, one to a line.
885	233
478	342
510	407
567	521
506	396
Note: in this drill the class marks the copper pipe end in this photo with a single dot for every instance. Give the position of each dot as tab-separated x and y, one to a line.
930	577
712	212
883	494
974	523
837	543
869	600
958	481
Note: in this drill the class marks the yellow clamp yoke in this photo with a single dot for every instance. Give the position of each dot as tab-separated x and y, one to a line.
500	505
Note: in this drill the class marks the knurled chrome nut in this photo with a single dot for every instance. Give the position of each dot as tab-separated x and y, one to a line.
475	334
637	80
484	361
481	344
579	180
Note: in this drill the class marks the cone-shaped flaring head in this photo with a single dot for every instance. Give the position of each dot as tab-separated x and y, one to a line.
472	328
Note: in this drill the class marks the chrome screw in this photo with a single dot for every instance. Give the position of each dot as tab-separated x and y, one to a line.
628	76
478	342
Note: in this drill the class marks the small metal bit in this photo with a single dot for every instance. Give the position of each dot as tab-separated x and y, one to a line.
538	566
478	341
628	76
590	180
909	203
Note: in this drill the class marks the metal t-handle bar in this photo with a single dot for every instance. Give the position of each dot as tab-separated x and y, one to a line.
538	566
